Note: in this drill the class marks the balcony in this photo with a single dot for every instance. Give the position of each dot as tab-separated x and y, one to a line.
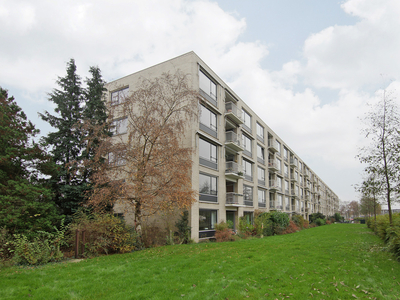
287	207
272	204
232	199
293	178
232	171
232	141
293	163
272	146
261	182
273	165
293	193
232	112
274	186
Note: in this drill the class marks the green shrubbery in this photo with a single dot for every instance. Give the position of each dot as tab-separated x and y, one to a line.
390	234
105	233
41	248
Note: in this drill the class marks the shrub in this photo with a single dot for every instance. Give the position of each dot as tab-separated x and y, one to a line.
337	217
306	224
320	222
291	228
223	233
184	230
43	248
6	246
298	220
245	228
313	217
105	233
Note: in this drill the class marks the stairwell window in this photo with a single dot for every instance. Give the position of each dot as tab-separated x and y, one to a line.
248	195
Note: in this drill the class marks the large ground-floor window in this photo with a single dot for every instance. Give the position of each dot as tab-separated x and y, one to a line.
207	219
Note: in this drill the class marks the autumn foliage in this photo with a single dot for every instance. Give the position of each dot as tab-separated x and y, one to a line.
150	170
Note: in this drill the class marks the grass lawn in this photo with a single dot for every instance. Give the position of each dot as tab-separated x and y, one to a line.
341	261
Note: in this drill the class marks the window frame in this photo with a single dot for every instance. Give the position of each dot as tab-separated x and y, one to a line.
212	221
246	120
210	161
212	194
208	92
208	128
118	93
114	128
247	175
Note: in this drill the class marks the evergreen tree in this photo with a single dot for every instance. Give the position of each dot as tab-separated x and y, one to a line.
25	201
66	143
81	111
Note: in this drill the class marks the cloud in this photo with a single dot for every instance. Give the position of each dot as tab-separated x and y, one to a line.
121	37
344	57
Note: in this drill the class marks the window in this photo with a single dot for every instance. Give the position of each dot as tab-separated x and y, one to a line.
278	165
247	145
278	145
116	159
279	181
261	176
286	187
279	204
208	188
248	170
260	132
285	154
208	154
260	154
286	170
119	126
261	198
248	195
208	121
207	219
208	87
246	120
287	203
120	96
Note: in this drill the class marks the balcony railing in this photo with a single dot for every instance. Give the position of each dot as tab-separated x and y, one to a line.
293	163
272	204
262	204
274	186
232	141
287	207
273	165
272	145
293	178
232	170
232	112
232	199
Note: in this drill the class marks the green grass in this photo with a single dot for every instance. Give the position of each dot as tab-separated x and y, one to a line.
342	261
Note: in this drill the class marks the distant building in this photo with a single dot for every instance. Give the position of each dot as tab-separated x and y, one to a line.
240	164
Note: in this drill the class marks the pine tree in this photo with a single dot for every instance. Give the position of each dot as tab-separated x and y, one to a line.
66	142
25	200
81	112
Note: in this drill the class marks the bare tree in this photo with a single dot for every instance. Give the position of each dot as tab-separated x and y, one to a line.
382	155
149	167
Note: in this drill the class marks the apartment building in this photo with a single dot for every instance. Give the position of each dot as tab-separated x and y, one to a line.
240	164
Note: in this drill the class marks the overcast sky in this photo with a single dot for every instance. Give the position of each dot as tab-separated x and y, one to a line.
308	68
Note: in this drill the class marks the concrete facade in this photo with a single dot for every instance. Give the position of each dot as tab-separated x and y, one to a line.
240	164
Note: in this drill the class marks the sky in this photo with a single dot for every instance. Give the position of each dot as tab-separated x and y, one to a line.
308	68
